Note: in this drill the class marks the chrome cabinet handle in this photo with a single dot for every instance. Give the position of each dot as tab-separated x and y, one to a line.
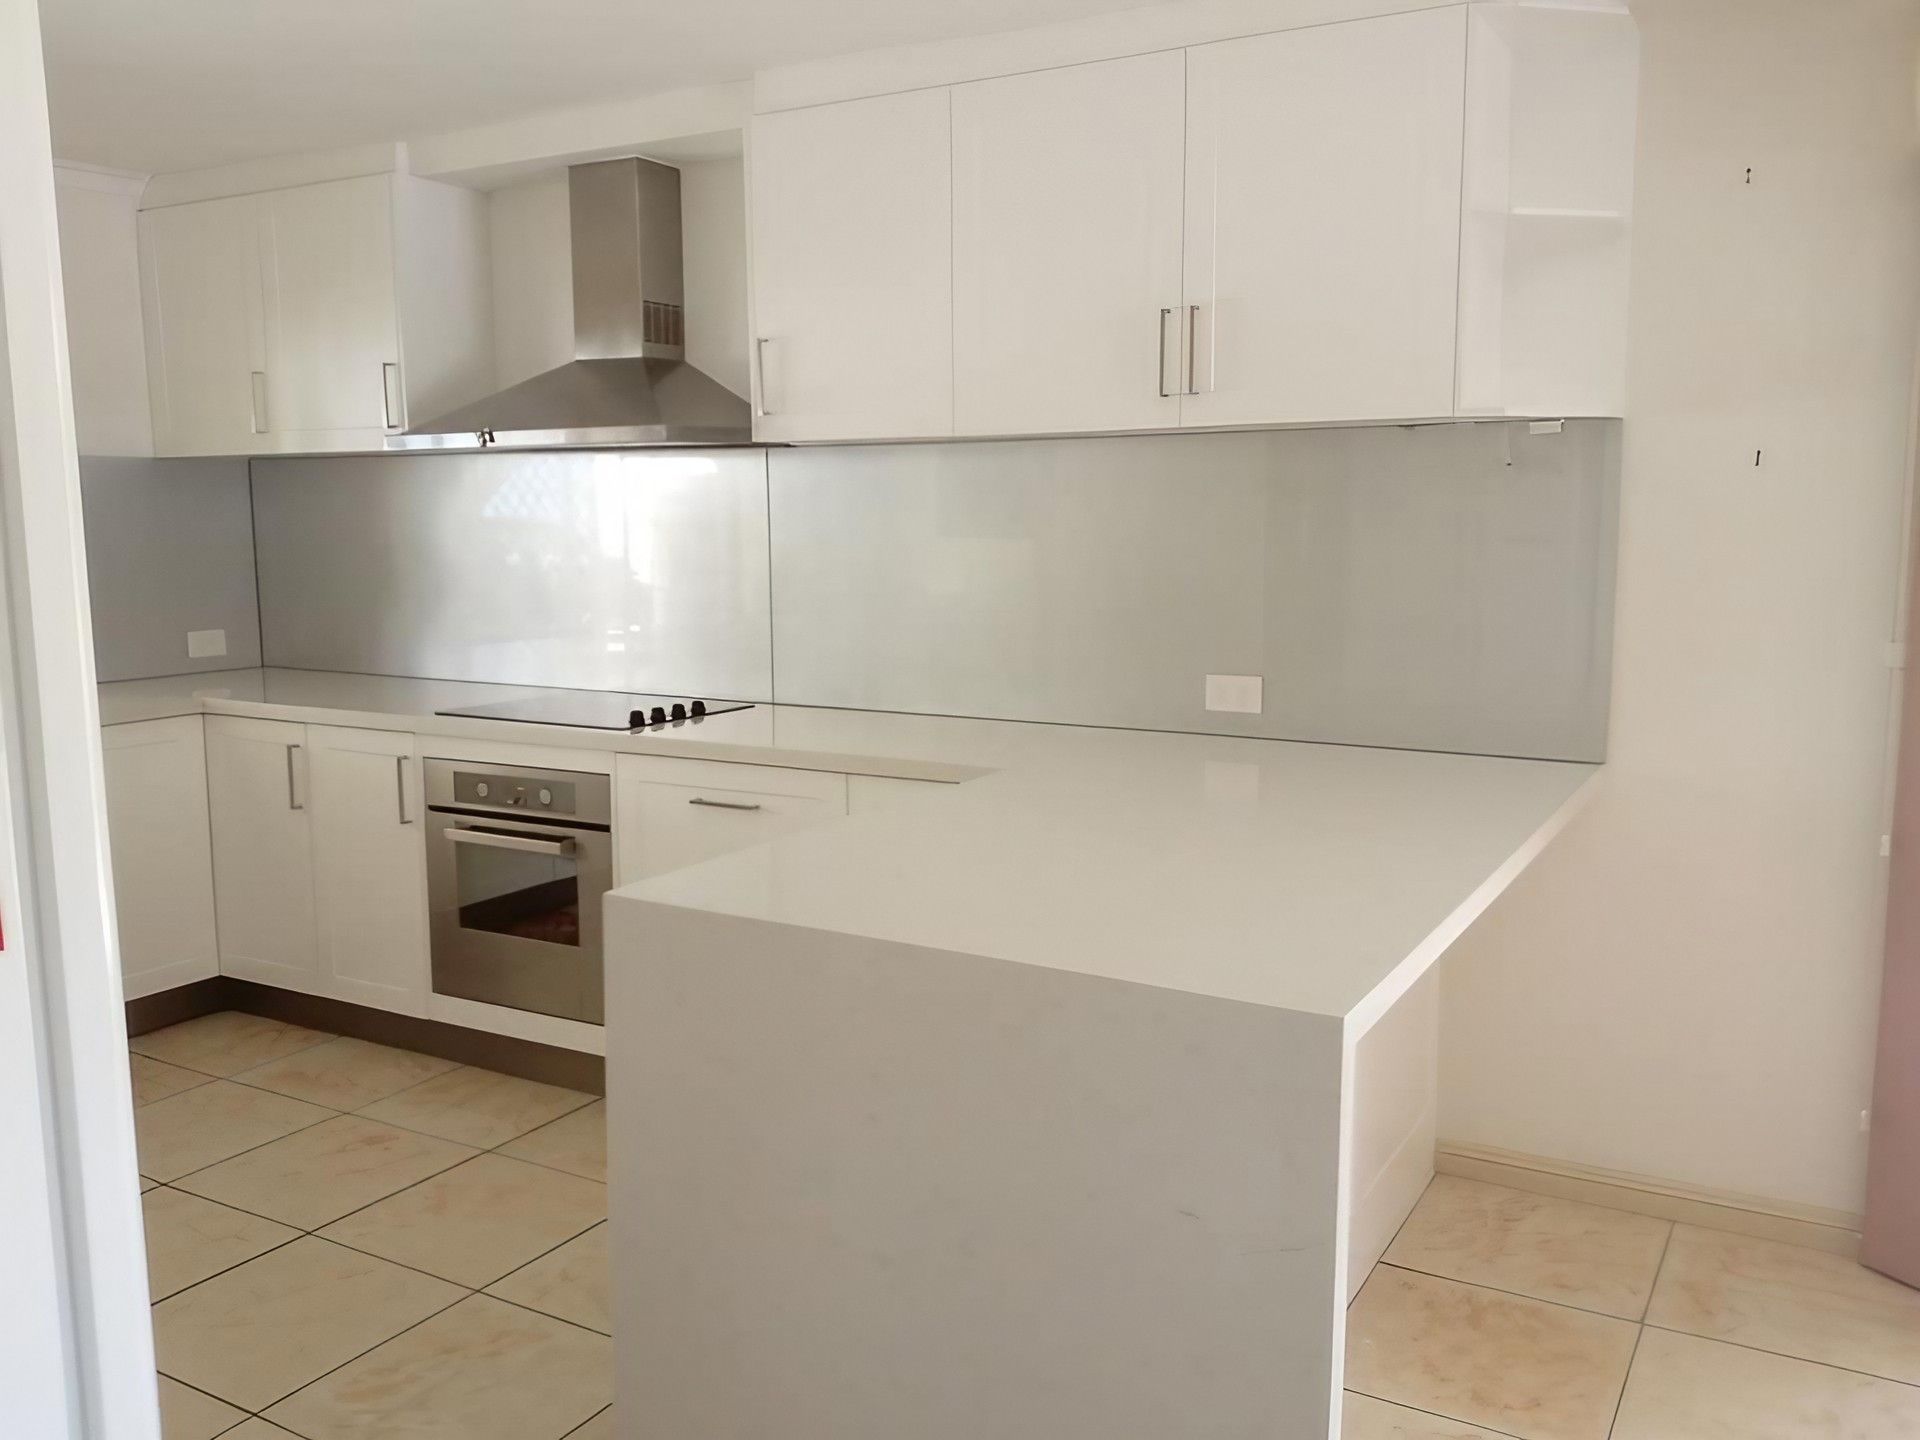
509	840
724	804
1161	339
760	376
258	380
294	802
400	787
392	399
1193	329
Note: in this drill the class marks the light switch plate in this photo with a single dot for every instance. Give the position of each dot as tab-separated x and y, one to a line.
1235	694
204	644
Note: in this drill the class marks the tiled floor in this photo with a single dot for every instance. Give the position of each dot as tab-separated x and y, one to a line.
347	1240
1498	1314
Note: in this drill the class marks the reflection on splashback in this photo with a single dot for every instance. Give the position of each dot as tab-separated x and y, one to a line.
592	569
1445	587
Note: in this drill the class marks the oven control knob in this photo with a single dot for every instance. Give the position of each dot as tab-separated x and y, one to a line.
699	708
679	712
659	715
546	797
480	789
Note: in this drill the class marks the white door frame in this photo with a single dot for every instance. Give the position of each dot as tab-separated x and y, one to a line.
84	1362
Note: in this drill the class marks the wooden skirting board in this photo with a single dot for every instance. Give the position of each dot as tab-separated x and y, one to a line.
1835	1231
527	1059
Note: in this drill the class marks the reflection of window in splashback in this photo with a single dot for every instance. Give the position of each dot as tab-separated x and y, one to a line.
1447	587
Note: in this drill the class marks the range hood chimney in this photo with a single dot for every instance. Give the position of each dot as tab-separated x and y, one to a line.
629	383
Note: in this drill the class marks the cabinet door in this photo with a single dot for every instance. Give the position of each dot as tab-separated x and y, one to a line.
852	270
156	780
333	342
1066	248
200	290
673	813
262	857
369	867
1323	220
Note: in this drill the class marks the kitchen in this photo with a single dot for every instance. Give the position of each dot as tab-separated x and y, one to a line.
955	735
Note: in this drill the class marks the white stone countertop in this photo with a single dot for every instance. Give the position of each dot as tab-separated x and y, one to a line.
1319	878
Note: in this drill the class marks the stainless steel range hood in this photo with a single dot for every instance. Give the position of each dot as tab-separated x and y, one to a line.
629	383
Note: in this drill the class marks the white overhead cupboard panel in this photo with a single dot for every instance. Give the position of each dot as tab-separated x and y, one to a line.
274	318
1066	248
851	217
205	332
1323	212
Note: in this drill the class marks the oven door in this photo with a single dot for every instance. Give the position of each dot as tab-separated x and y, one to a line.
516	912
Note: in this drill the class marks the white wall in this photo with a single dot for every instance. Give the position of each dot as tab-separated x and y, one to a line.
1685	985
100	257
533	273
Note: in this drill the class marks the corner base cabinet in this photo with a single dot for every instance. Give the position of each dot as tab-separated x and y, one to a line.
156	783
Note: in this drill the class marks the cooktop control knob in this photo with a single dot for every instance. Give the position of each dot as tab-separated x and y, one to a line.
636	719
659	716
699	708
679	712
546	797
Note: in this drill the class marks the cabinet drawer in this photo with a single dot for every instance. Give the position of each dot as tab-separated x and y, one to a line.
675	813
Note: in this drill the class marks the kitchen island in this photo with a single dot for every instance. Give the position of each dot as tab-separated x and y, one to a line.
1070	1101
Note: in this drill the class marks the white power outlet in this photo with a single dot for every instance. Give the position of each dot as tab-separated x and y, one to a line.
204	644
1236	694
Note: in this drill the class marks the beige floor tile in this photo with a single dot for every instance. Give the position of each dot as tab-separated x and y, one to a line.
478	1221
326	1171
1798	1302
1366	1418
345	1074
484	1370
261	1331
1530	1369
156	1080
570	1283
476	1107
258	1429
227	1043
1561	1250
189	1239
186	1414
576	1143
1686	1388
600	1427
204	1125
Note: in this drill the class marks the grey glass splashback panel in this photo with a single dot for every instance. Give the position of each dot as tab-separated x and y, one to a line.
1444	587
614	570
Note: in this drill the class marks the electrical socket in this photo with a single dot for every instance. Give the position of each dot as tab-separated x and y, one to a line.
204	644
1236	694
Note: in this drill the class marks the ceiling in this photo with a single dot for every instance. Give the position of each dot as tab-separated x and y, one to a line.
160	85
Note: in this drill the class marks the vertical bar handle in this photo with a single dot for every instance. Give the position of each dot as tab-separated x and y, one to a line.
294	799
258	379
1193	329
400	787
392	397
1166	312
760	376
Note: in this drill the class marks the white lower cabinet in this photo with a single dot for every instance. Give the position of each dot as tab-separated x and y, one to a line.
262	851
369	867
669	814
318	859
156	780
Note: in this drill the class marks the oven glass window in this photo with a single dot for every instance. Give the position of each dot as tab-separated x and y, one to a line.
512	892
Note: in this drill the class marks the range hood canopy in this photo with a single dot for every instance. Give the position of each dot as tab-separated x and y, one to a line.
629	383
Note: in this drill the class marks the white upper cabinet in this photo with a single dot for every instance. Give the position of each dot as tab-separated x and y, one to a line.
1323	219
206	342
333	332
274	320
852	270
1066	248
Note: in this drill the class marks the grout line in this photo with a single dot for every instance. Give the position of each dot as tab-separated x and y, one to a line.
1419	1410
1784	1355
464	1297
1658	1271
1511	1294
584	1423
1626	1378
545	1314
202	1169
